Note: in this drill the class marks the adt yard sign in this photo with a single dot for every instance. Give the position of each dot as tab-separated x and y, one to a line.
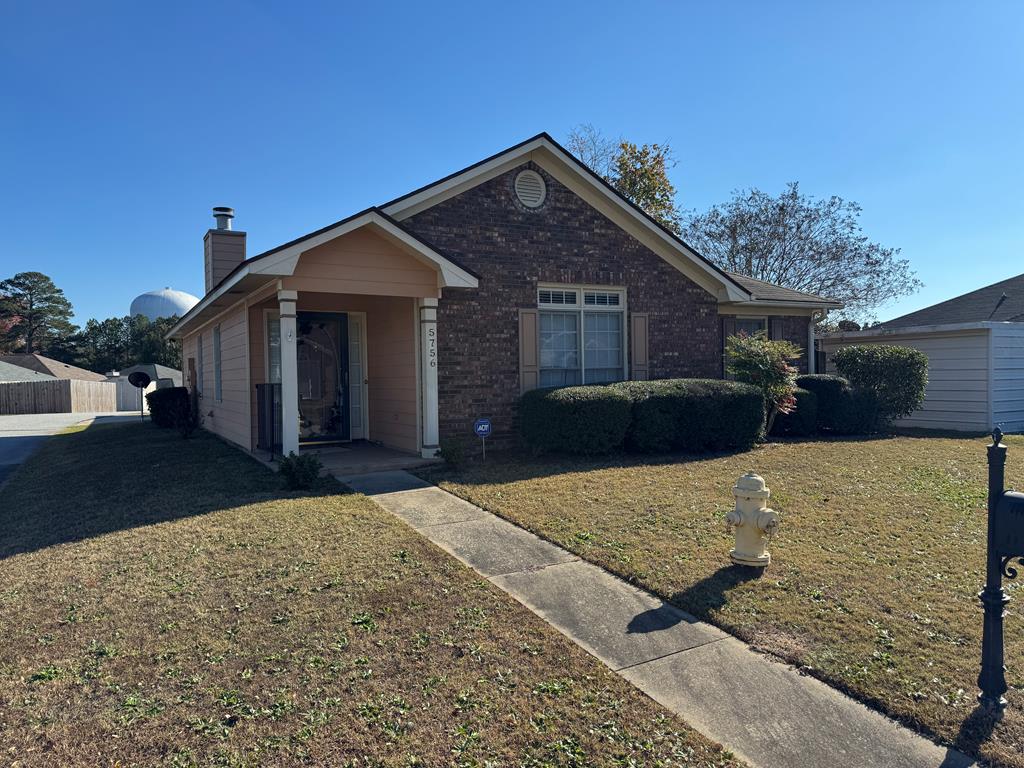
482	429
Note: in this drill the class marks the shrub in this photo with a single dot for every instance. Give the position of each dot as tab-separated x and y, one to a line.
832	393
453	451
897	376
693	415
802	420
188	420
300	472
168	406
586	420
765	363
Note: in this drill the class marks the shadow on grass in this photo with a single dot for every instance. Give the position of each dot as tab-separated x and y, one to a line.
112	477
974	731
703	596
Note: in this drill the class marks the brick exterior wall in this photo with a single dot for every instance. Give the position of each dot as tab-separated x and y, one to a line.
512	249
794	329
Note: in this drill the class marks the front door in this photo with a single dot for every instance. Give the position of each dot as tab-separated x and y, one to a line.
322	349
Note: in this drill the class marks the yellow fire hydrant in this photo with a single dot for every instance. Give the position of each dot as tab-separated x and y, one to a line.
753	522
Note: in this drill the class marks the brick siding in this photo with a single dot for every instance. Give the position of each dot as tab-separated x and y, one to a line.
512	249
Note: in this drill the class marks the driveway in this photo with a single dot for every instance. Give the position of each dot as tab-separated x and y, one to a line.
21	435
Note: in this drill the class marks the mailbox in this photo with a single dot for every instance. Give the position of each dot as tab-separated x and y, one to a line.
1008	524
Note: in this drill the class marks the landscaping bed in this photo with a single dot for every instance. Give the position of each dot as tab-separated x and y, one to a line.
163	602
875	571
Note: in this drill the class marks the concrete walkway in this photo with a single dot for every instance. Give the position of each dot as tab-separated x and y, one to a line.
766	712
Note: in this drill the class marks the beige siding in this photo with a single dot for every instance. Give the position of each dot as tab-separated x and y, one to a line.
230	417
1008	376
363	262
958	364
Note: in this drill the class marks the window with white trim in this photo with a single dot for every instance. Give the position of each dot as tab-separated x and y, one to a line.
751	325
582	336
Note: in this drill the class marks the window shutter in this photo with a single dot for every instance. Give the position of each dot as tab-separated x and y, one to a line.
529	366
774	327
638	347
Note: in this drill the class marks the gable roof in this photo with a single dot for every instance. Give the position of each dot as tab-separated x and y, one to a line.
12	372
155	371
999	302
36	362
763	292
543	150
572	173
282	260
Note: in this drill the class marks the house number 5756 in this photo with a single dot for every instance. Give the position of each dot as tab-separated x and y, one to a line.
432	346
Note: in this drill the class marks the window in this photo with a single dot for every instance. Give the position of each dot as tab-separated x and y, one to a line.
751	325
217	391
199	364
581	342
273	348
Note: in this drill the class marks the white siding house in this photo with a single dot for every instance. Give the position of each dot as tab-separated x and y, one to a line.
975	372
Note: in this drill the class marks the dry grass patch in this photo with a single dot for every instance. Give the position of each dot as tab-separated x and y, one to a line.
163	603
875	570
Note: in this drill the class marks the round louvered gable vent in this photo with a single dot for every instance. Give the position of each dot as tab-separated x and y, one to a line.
530	189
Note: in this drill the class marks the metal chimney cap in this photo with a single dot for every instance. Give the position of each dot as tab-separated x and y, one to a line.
223	215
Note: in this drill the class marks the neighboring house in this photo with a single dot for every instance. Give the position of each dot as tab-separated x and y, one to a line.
975	348
406	322
130	397
10	372
57	369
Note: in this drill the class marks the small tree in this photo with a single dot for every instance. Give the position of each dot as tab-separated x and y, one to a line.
765	363
34	313
897	376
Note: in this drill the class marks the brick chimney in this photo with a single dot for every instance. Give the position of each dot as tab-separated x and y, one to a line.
223	248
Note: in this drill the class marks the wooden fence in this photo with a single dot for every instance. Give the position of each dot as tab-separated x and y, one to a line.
60	396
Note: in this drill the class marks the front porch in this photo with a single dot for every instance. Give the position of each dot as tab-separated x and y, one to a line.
361	457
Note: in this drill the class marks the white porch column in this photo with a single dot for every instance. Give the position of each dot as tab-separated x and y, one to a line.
289	374
428	377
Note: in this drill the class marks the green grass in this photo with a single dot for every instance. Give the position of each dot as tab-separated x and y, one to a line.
875	571
163	602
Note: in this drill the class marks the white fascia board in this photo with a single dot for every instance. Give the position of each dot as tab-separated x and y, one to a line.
206	301
912	330
796	307
565	170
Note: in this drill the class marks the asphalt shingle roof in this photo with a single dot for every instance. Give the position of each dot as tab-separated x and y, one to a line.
55	368
999	302
11	372
771	292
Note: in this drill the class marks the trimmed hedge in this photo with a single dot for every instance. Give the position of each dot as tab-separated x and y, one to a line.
896	375
690	415
587	420
802	421
167	407
832	393
693	415
842	409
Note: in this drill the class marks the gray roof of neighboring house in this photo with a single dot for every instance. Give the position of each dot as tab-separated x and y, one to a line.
51	367
999	302
11	372
155	371
763	291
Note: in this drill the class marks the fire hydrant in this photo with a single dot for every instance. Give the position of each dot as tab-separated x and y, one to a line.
753	522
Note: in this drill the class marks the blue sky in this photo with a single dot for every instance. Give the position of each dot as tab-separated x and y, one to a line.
123	123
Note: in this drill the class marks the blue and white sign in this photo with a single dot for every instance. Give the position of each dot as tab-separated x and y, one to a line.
482	428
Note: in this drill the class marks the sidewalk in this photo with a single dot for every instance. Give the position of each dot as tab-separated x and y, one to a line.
764	711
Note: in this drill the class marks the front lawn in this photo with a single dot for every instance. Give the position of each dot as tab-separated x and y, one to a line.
875	571
162	602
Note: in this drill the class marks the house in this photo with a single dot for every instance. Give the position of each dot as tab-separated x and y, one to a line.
10	372
132	398
975	349
404	323
50	367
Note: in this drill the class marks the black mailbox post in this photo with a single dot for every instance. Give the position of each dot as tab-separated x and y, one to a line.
1005	543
